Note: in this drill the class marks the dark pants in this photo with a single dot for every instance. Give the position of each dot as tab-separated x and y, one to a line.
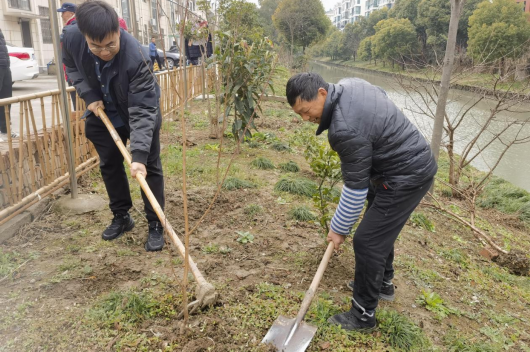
157	59
113	170
6	91
373	243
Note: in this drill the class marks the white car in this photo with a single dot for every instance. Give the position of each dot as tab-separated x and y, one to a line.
23	63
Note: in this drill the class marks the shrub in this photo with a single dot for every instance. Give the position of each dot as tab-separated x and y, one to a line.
290	166
302	213
262	163
281	147
298	186
232	183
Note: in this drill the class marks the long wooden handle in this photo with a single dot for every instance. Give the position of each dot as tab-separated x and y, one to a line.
151	197
310	293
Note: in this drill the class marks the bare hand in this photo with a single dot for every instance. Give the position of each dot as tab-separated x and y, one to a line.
94	107
335	238
138	168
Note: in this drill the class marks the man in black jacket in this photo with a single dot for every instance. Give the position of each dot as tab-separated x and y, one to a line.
110	70
384	159
6	84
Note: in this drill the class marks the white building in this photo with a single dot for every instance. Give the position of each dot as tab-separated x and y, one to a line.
26	23
349	11
372	5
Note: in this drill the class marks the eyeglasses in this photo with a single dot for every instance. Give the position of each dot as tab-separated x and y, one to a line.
108	48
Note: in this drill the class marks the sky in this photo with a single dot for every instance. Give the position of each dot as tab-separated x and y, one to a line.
328	4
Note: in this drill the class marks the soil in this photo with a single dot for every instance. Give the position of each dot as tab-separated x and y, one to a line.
51	302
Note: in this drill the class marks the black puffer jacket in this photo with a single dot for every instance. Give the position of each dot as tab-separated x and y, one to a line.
134	89
373	137
4	55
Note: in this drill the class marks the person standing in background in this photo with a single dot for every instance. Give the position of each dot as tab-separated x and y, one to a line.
6	87
153	53
67	12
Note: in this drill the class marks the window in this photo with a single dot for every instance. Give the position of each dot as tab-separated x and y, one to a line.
20	4
125	13
45	25
154	16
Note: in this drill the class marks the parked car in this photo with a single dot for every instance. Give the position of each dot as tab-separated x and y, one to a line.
23	63
173	58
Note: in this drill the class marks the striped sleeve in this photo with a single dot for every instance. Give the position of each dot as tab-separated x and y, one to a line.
350	206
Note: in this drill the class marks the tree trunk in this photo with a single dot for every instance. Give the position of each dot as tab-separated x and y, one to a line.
450	153
456	11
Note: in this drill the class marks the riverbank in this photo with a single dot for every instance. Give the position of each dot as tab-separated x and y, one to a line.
472	82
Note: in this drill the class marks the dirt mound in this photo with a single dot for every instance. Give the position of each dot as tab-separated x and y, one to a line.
516	261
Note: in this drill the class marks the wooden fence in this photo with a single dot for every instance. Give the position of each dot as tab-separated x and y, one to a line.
34	164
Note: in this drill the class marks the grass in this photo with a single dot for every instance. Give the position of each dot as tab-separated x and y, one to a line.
298	186
507	198
433	302
232	183
420	220
290	166
8	262
253	209
400	332
280	147
302	213
262	163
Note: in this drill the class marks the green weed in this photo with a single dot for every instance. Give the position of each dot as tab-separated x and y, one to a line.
211	248
298	186
433	302
244	237
8	262
456	256
253	209
420	220
465	344
290	166
262	163
214	147
400	332
125	252
507	198
302	213
225	250
232	183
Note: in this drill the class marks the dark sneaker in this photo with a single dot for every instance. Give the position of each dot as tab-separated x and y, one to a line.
355	319
386	293
155	239
119	225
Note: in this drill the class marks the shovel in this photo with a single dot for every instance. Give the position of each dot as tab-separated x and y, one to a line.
205	292
293	335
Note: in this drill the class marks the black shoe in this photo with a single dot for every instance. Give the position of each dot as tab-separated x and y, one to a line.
355	319
119	225
155	239
386	293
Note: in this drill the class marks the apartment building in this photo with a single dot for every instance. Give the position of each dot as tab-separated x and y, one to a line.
26	23
348	11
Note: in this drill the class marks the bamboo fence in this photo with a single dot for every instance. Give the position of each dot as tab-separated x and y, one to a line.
35	164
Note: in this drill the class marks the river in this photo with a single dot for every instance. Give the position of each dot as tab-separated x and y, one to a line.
514	166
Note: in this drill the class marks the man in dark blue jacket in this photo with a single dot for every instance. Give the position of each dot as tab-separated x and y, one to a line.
110	70
6	86
385	160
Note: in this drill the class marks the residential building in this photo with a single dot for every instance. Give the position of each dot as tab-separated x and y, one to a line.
525	4
26	23
348	11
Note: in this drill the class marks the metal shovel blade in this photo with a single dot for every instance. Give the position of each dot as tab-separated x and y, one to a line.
279	331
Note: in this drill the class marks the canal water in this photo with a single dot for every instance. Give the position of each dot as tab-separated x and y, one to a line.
515	165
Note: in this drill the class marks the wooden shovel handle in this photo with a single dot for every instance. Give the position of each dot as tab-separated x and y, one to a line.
314	285
151	197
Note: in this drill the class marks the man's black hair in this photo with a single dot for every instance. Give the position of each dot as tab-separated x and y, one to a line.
304	86
96	20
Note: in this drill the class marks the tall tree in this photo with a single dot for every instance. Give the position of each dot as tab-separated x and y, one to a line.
498	30
266	10
241	18
436	140
301	22
393	39
351	38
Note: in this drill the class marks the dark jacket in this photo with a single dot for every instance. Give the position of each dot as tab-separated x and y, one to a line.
4	55
373	137
134	89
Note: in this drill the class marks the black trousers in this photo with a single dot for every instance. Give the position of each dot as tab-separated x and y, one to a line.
113	170
157	59
389	207
6	91
72	95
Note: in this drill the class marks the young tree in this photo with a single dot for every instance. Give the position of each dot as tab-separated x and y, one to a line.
351	38
393	39
301	22
241	18
498	30
365	49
